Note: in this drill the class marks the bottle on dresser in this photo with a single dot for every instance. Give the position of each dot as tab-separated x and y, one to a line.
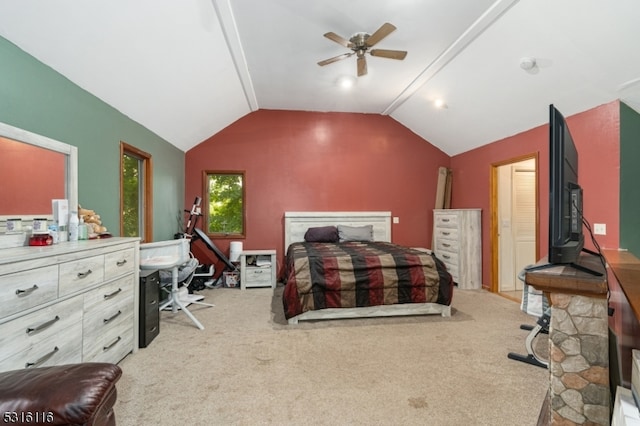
74	224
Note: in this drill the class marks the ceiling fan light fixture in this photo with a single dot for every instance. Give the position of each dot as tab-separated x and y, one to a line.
360	44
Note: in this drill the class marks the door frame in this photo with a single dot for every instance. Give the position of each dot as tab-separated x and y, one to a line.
494	224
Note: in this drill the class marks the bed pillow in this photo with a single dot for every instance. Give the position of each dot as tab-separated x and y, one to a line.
355	233
321	234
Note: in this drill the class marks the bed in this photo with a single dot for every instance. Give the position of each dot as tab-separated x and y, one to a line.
343	265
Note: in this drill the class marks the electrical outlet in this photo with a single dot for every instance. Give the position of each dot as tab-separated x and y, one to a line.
396	219
600	229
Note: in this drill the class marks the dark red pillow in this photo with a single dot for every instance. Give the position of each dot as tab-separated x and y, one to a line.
321	234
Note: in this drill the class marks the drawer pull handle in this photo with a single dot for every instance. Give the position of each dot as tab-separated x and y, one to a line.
26	292
114	316
84	274
42	359
446	257
43	326
121	262
258	271
106	348
446	245
110	295
153	302
445	220
155	327
445	233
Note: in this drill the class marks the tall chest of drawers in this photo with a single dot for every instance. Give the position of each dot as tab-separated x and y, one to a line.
457	241
67	303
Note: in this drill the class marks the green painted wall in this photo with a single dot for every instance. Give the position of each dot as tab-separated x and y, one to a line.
629	179
34	97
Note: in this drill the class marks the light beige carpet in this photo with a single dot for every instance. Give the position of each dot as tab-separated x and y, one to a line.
248	368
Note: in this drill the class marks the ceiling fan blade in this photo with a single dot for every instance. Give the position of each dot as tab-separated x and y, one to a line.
380	33
335	59
340	40
362	66
391	54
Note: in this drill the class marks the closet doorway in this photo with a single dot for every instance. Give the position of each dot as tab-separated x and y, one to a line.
514	222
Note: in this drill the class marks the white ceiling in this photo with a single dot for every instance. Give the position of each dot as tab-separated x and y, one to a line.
186	69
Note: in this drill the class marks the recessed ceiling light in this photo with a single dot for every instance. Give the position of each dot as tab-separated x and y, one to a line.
347	81
439	103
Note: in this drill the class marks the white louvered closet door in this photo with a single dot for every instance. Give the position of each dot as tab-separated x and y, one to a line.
523	219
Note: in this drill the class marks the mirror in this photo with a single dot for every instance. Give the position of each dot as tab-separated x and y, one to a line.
35	169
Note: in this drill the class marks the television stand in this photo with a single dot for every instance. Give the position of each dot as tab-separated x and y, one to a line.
572	264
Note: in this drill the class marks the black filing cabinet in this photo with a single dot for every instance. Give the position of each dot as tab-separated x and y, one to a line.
149	313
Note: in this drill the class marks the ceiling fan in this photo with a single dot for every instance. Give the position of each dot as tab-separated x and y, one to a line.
361	43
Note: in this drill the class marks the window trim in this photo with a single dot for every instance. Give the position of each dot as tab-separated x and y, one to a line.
205	208
147	213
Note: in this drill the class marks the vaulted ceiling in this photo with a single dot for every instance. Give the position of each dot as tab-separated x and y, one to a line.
186	69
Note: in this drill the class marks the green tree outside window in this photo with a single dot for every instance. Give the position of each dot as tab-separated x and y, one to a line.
225	196
131	196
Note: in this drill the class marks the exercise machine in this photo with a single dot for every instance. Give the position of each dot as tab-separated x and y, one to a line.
192	232
534	302
540	330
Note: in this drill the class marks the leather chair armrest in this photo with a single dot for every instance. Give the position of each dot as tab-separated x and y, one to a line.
65	394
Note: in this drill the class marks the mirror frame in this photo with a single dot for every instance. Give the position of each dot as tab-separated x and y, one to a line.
71	177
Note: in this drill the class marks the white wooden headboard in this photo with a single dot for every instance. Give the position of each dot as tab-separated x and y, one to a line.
297	223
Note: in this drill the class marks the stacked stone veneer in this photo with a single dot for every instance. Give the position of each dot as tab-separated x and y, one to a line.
579	361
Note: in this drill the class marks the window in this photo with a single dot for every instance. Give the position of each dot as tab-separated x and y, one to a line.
136	211
224	203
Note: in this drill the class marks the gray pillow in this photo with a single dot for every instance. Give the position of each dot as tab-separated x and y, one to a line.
355	233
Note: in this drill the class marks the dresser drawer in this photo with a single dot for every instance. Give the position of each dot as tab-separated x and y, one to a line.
118	263
30	330
258	277
446	220
110	344
448	233
447	245
451	258
61	348
453	270
452	265
105	315
108	318
75	276
100	299
24	290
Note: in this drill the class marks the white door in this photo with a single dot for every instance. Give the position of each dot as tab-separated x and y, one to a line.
524	220
517	222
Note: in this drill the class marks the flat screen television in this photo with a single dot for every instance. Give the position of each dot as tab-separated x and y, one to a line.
566	239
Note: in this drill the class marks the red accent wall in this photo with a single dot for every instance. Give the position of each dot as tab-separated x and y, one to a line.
596	133
303	161
306	161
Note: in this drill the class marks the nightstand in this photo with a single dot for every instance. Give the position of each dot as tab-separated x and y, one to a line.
257	268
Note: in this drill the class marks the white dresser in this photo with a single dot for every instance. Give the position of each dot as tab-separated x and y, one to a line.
69	302
457	241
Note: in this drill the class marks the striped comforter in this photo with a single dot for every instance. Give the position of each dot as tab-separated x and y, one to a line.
355	274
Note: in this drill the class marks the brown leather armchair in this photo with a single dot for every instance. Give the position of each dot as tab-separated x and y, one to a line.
75	394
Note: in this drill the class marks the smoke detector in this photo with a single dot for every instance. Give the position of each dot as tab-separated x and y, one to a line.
527	63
